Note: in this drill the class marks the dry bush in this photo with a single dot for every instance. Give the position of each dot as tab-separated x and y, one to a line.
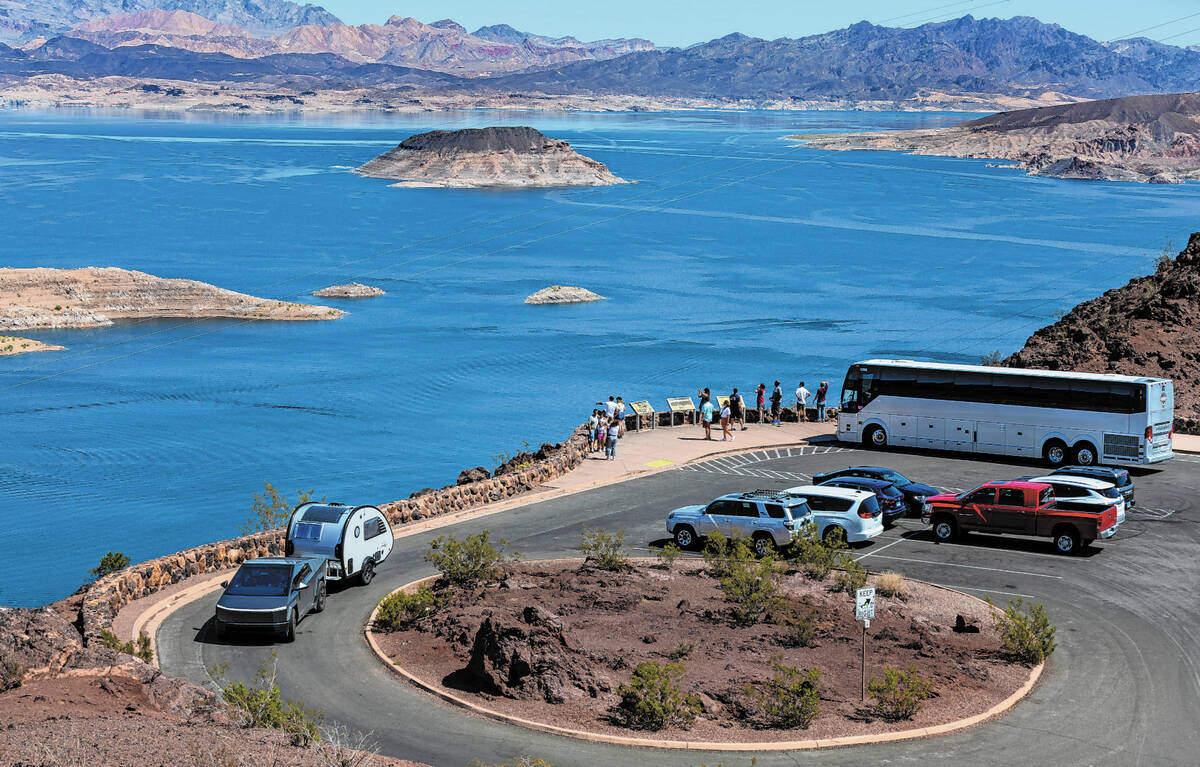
891	584
341	747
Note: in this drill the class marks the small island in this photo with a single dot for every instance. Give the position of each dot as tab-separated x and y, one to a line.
10	345
1153	139
563	294
349	290
505	157
94	297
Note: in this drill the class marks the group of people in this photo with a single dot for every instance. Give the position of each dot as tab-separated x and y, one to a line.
802	397
733	410
607	425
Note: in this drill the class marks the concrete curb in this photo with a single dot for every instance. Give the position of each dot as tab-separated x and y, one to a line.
789	745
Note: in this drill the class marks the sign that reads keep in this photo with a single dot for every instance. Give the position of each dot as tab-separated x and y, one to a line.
864	604
680	404
642	408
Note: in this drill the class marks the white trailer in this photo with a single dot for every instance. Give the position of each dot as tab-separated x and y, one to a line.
355	539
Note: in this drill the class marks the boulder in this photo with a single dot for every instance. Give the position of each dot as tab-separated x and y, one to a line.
478	474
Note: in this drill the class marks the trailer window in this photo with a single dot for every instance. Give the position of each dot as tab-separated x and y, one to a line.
373	527
306	531
324	513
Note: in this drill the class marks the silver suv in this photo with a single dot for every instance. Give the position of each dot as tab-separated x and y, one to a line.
769	518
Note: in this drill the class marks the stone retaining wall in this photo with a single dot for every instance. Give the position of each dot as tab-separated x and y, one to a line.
105	598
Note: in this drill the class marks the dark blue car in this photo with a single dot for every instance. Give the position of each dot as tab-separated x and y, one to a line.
891	500
915	493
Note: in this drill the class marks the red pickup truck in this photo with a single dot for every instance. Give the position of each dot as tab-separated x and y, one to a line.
1018	508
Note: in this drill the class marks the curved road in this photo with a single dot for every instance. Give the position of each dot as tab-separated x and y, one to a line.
1123	687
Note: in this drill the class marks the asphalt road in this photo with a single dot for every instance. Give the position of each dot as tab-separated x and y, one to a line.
1123	687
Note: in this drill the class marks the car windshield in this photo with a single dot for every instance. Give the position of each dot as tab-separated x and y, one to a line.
895	477
260	581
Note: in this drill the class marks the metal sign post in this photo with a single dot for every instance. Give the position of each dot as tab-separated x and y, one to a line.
643	409
680	405
864	610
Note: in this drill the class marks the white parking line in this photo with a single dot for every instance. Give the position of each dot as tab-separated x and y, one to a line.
874	553
985	591
974	567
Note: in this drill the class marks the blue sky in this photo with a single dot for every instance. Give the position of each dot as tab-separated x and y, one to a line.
683	22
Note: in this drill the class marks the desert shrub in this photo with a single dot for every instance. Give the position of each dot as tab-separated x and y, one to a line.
722	553
799	628
1026	633
262	705
402	610
668	554
342	747
604	549
112	562
991	359
681	651
12	674
271	509
750	585
899	694
814	556
140	650
891	584
791	699
468	562
653	698
851	577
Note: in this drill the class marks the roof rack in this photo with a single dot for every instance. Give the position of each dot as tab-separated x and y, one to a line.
765	493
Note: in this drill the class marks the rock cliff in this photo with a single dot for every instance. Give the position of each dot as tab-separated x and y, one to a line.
1149	327
487	157
92	297
1139	138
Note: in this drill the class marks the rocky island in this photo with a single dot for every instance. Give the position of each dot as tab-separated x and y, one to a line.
94	297
1152	139
10	345
563	294
1151	326
349	290
511	157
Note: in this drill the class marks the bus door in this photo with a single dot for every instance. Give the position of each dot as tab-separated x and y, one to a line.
960	435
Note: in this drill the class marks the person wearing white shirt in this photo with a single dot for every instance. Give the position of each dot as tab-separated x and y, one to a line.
802	396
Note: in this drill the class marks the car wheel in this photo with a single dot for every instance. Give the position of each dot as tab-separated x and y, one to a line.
1055	453
834	534
319	602
367	574
685	537
944	528
1085	454
763	545
1067	541
875	437
289	632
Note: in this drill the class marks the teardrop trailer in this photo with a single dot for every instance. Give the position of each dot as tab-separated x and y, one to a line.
354	539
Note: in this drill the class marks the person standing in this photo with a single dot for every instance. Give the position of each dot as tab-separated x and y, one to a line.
822	391
761	391
726	435
602	432
614	433
776	403
619	412
706	417
802	396
593	431
737	409
610	407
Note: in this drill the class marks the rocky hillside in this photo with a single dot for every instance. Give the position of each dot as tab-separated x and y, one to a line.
1149	327
487	157
1138	138
865	62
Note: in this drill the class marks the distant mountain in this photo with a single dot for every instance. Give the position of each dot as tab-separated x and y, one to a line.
23	20
443	46
865	62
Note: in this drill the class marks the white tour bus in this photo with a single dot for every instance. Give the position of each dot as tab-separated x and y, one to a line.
1062	416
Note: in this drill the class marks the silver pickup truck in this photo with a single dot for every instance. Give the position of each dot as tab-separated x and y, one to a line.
769	518
272	594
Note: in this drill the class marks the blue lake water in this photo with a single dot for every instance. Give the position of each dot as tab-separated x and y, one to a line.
735	259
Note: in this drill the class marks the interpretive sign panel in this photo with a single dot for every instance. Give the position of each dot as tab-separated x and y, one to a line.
680	404
642	408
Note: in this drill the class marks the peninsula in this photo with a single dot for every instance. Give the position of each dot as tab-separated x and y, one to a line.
10	345
1152	139
94	297
563	294
511	157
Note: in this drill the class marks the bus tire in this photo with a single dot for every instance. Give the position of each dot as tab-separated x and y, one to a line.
1067	540
1055	453
1085	454
945	528
875	437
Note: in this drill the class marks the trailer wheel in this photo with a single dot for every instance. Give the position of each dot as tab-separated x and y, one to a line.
367	574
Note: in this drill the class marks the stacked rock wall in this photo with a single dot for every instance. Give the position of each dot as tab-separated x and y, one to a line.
108	595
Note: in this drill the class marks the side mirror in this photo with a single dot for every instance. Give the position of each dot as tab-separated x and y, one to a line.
224	584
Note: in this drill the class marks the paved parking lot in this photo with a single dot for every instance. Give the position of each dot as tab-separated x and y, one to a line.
1123	688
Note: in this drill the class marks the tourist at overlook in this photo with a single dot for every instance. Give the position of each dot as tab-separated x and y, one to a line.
822	391
776	403
619	413
593	431
762	400
726	435
802	396
602	432
614	433
706	417
610	407
737	409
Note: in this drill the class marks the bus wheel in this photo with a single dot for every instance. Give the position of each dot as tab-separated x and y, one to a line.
1055	453
1085	454
875	437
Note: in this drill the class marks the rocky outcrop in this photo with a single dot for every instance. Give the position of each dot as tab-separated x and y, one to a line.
527	657
487	157
1152	139
1151	326
563	294
350	290
93	297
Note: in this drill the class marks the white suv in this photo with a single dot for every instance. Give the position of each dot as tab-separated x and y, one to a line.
769	518
1085	491
839	512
